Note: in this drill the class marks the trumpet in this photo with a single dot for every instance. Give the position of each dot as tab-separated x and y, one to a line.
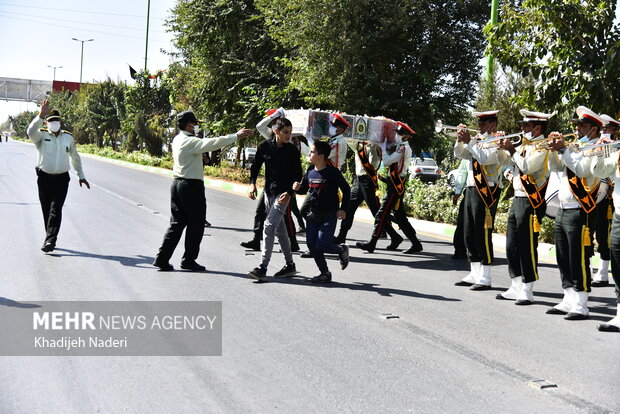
602	146
440	127
543	144
516	141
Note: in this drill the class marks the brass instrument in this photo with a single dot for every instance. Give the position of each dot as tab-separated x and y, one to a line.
496	139
440	127
603	149
543	144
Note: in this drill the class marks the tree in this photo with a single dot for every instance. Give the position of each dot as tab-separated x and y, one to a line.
410	60
147	112
105	108
21	121
230	71
570	47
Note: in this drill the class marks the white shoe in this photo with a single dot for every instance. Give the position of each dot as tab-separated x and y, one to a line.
471	277
565	305
601	277
579	310
526	294
613	325
483	282
513	290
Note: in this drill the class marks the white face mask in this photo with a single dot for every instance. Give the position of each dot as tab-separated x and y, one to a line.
528	135
606	136
196	129
53	126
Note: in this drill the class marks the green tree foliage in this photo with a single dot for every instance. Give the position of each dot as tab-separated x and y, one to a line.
147	106
570	47
21	121
104	110
410	60
230	70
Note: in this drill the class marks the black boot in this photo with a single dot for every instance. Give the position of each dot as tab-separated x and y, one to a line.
396	241
251	245
416	247
369	246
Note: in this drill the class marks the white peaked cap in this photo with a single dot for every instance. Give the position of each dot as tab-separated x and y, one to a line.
531	116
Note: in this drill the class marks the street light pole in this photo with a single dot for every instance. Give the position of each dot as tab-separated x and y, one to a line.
82	55
146	47
54	67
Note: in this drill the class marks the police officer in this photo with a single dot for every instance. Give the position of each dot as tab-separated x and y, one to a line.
397	160
187	193
54	149
530	176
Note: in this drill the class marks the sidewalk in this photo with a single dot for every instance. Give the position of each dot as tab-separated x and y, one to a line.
546	251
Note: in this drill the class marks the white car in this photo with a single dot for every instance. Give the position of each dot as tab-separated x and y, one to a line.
247	156
425	169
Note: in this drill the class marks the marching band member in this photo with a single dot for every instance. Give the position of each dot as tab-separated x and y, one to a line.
530	177
338	154
480	200
610	167
577	195
364	188
604	210
397	159
458	240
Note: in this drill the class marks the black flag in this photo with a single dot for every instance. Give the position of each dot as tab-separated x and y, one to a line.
132	72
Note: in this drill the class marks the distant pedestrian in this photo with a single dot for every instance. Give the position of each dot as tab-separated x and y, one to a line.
54	149
324	209
187	193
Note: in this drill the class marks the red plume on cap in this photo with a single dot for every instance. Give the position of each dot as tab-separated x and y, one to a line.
340	119
405	128
271	112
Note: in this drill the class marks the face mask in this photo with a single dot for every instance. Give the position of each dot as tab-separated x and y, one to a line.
53	126
584	139
196	129
527	135
606	136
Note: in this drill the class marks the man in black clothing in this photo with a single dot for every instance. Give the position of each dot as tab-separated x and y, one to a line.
282	169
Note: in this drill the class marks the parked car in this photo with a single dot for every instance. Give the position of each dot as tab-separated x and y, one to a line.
246	159
425	169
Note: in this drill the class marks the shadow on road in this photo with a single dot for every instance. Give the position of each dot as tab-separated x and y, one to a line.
13	304
135	261
369	287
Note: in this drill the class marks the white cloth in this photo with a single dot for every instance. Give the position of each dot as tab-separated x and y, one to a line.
487	157
608	167
54	152
187	153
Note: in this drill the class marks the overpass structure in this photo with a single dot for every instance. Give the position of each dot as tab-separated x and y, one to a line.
31	90
24	90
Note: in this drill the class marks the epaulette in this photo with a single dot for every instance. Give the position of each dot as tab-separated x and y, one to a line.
44	129
66	132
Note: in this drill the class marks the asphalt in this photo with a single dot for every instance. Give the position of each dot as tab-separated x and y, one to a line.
288	346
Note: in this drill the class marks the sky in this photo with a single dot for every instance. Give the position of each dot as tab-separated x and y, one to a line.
38	33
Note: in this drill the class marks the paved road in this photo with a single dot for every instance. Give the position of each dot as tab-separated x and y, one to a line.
288	346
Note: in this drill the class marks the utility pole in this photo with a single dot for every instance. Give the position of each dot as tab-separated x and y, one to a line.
82	55
146	51
490	60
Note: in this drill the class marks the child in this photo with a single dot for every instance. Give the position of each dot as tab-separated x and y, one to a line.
322	183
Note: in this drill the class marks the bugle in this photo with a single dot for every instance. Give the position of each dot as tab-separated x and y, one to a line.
543	144
594	146
440	127
499	138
